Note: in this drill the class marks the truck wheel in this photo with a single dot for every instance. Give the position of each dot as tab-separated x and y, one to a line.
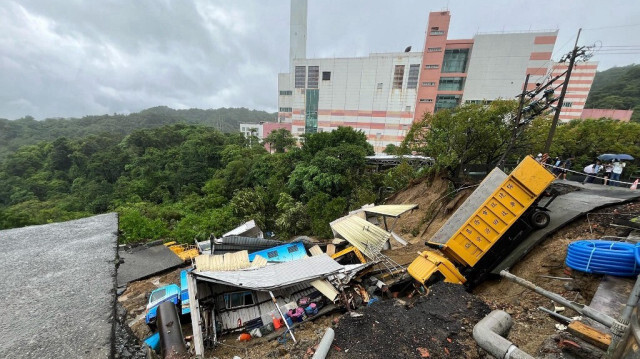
540	219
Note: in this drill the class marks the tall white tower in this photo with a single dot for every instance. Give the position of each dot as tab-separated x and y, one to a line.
298	31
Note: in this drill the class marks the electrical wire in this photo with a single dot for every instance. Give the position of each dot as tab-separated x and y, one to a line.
604	257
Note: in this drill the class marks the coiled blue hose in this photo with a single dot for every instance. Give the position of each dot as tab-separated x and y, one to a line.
604	257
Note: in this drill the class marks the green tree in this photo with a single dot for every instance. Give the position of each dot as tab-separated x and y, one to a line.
391	149
279	140
322	210
292	217
471	133
248	204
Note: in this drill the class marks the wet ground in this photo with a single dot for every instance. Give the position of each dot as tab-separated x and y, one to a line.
437	325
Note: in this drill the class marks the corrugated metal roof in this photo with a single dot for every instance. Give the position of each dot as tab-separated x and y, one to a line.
365	236
277	275
243	229
393	210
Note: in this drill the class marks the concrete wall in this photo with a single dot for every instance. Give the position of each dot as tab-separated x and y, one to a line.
499	63
595	113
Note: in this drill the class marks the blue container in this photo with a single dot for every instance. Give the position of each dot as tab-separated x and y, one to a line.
289	321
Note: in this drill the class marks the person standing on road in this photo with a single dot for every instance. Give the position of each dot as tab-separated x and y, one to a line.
616	172
592	171
556	166
565	166
607	172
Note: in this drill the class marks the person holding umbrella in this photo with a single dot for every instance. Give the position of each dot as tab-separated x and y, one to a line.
616	172
615	162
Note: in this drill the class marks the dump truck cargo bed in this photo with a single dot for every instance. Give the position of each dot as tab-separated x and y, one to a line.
505	212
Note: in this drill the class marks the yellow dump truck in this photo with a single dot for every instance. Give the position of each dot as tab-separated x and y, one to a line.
495	227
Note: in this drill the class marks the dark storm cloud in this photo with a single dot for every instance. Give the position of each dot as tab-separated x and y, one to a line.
74	58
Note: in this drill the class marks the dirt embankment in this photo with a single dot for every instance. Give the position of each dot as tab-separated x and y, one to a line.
134	300
436	200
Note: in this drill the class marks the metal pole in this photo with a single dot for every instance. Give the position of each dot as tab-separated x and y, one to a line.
578	308
556	116
282	316
516	122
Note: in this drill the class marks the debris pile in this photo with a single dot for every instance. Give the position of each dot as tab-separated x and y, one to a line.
438	325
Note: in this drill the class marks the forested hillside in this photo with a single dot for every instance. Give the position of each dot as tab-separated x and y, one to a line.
185	181
617	88
27	131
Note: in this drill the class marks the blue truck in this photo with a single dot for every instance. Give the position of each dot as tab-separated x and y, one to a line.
177	295
169	292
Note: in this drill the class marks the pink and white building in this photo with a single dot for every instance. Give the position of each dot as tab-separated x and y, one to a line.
384	93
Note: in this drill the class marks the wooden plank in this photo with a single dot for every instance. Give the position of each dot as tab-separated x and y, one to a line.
315	250
194	306
331	249
589	334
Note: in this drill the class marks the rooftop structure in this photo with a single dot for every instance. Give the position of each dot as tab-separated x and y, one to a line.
596	113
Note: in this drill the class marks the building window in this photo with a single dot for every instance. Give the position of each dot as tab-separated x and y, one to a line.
407	108
312	80
451	84
285	109
479	102
379	86
238	300
300	77
436	32
567	104
286	93
431	66
398	76
326	75
292	249
272	254
455	60
426	100
434	49
414	71
427	84
446	101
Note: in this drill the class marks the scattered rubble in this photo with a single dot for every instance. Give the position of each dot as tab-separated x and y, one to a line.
127	345
439	325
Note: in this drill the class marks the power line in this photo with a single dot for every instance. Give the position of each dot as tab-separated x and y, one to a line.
612	27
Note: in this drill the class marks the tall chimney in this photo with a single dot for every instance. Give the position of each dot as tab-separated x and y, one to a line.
298	31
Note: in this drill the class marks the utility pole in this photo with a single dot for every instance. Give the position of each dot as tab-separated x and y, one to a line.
556	116
516	123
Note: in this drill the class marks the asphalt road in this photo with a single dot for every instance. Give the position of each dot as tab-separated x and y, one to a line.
141	262
58	289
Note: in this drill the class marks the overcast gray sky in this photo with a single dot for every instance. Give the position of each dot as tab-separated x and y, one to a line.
79	57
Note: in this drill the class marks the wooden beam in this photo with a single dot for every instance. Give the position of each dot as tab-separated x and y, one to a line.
589	334
194	306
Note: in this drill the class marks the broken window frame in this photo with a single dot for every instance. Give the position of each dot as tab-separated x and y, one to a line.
228	299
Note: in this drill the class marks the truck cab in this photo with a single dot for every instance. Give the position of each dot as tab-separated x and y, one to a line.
169	292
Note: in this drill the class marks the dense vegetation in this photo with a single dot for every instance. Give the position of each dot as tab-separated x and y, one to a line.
477	134
185	181
28	131
617	88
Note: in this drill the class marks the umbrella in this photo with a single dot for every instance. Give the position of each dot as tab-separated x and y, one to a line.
611	156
